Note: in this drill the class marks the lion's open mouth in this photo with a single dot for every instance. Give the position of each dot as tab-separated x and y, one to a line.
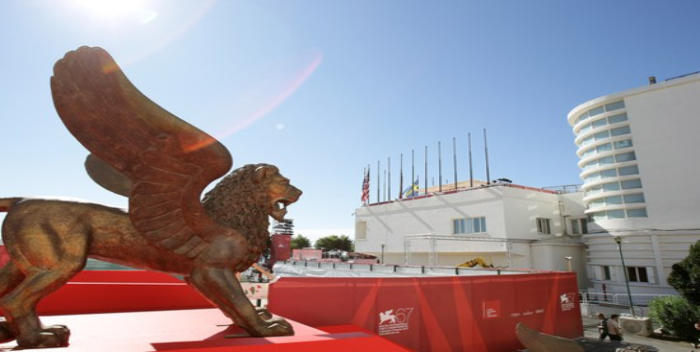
279	208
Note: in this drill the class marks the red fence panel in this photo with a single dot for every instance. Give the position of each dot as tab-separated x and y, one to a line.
476	313
121	291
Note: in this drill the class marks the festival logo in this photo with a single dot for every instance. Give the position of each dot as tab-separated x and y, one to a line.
568	301
394	322
491	309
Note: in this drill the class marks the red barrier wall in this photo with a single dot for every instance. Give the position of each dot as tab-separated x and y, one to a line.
121	291
476	313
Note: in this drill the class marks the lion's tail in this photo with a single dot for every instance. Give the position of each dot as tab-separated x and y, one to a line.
7	203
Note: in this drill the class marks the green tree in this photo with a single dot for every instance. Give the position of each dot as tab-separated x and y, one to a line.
300	242
328	243
676	314
679	314
685	275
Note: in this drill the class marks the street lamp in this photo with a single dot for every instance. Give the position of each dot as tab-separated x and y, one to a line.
618	240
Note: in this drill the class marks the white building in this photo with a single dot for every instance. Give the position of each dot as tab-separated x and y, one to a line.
506	225
638	161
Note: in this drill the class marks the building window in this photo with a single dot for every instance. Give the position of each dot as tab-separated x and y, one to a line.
609	187
600	123
543	226
603	148
608	173
596	111
620	131
614	186
615	200
606	272
596	203
579	226
617	118
615	106
634	198
615	214
637	274
629	170
599	110
625	143
621	158
637	213
631	184
469	225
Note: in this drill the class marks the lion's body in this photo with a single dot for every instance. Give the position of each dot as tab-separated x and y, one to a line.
37	232
49	241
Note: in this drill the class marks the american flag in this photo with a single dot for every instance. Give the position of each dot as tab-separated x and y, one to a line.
365	188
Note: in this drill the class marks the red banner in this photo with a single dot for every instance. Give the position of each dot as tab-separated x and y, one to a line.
477	313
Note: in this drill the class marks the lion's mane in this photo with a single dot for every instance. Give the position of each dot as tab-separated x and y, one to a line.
242	204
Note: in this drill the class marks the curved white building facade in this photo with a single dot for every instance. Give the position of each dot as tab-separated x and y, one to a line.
638	158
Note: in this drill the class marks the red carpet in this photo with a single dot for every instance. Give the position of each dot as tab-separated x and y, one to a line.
197	330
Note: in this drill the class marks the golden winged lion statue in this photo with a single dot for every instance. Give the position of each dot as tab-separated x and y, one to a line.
162	164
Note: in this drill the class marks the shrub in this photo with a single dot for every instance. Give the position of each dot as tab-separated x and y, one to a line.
685	277
676	314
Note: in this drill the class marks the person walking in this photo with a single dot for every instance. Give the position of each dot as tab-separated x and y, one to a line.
602	327
614	330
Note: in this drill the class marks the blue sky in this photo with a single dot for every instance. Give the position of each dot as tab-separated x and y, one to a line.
324	88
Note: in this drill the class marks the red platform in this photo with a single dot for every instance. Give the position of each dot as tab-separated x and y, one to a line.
128	311
141	311
198	330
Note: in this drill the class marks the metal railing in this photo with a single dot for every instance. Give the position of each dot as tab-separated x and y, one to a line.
593	303
622	299
564	189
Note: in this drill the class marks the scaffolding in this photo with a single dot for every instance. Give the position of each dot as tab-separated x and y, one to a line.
433	242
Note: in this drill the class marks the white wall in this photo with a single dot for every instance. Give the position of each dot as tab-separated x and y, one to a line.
665	127
664	120
551	256
510	213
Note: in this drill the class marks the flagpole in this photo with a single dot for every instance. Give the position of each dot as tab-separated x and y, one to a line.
454	157
388	193
471	173
439	168
426	170
401	178
369	173
379	181
364	181
413	171
486	150
385	197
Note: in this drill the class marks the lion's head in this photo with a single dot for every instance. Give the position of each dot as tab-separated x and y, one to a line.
249	193
280	192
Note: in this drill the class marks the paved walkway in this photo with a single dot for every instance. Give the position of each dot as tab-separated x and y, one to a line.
591	331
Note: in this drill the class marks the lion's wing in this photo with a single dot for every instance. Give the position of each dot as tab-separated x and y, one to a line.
168	161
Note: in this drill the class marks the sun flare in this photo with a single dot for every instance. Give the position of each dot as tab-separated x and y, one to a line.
118	9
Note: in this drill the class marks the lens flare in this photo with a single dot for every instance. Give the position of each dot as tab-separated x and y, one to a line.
261	100
118	8
286	87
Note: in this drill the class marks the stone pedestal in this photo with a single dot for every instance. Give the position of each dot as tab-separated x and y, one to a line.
636	326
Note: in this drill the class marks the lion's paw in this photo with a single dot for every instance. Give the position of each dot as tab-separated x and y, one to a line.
5	332
276	326
47	337
61	331
263	313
